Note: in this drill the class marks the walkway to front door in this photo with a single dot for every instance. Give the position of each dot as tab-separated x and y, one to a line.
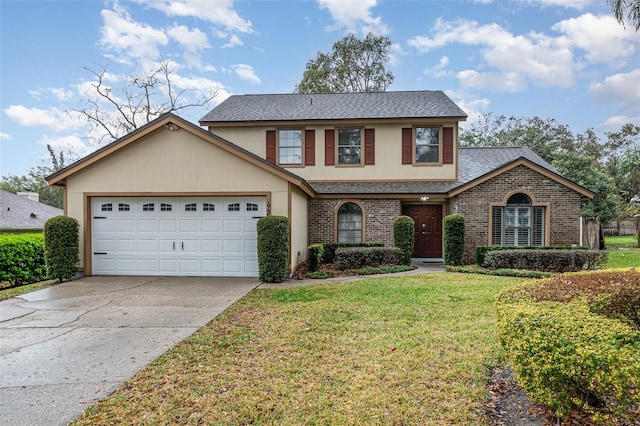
428	225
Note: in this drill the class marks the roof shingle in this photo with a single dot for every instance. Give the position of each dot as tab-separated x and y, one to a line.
18	213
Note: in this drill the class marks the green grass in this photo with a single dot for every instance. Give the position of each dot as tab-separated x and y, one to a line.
623	252
7	292
411	349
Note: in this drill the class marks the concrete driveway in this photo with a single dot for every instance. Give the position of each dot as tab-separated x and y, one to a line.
66	347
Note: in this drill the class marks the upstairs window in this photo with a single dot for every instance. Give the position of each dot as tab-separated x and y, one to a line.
290	146
427	145
349	146
349	223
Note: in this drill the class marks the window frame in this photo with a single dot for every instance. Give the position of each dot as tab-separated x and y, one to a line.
302	146
362	221
537	212
414	145
337	147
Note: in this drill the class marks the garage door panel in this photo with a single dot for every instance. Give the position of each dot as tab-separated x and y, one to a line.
213	236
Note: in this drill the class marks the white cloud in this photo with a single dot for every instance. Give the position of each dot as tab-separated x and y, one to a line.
516	60
192	40
568	4
58	93
67	144
601	37
128	38
438	70
246	72
218	12
355	16
234	41
622	88
53	118
5	136
474	107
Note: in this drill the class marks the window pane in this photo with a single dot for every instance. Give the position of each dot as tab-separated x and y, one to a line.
538	226
427	144
191	207
349	146
290	146
523	216
349	223
208	207
165	207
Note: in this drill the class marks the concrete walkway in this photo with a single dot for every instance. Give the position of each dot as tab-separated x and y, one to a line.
64	348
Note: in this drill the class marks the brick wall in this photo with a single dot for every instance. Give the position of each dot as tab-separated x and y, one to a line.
474	205
378	216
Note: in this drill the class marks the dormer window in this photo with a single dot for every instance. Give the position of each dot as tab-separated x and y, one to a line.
349	146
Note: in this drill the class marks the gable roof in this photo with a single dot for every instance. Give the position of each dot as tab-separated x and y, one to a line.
168	120
334	106
475	165
22	214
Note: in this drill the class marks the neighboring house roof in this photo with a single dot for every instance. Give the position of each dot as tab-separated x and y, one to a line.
474	166
169	119
334	106
21	214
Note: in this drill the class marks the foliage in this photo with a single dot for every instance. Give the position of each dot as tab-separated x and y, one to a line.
314	256
22	258
61	247
522	273
366	270
481	251
357	257
322	275
330	249
34	180
354	65
273	248
546	260
623	305
592	361
11	292
632	7
113	111
404	237
453	231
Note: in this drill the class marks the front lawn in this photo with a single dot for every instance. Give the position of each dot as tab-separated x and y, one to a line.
623	251
413	349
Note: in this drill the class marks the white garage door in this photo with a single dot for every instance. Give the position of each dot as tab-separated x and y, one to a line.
198	236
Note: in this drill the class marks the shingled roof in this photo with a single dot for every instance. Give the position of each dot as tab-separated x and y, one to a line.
334	106
473	163
21	214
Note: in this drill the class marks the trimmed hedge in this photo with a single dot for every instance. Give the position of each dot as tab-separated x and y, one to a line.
546	260
61	247
454	229
567	356
329	255
22	258
358	257
404	234
273	248
481	251
314	256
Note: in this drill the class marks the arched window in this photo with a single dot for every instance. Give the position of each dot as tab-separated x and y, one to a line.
349	223
518	223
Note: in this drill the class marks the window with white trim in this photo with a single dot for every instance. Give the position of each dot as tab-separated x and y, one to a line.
290	146
252	207
518	223
349	223
349	146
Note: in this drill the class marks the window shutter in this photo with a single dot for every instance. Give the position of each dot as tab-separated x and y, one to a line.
329	147
496	226
447	145
309	147
407	145
369	147
538	226
271	146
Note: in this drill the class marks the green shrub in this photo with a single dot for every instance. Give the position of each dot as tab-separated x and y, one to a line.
404	237
357	257
481	251
273	248
329	255
545	260
314	256
322	275
22	258
61	247
453	239
623	305
565	355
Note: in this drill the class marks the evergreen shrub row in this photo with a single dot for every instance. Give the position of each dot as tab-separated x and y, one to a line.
546	260
358	257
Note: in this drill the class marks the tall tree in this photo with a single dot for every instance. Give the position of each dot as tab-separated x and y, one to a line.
354	65
631	7
113	112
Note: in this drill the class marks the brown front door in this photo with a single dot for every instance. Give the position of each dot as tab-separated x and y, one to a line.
428	225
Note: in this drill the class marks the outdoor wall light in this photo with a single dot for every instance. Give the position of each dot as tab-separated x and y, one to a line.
424	198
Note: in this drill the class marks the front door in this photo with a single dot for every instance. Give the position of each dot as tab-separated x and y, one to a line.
428	226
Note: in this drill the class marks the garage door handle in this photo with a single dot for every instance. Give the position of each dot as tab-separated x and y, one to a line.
99	252
183	245
174	246
257	217
99	217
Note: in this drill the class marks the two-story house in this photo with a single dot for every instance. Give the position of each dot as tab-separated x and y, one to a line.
172	198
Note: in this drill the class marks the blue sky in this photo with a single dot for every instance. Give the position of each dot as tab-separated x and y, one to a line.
562	59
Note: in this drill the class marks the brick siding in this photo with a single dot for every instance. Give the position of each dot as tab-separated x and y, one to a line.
378	220
473	204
